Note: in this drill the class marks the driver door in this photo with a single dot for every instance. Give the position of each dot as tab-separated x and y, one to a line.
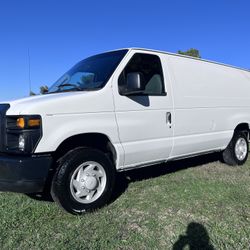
144	119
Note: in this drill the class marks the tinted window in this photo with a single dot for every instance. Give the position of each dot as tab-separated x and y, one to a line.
149	66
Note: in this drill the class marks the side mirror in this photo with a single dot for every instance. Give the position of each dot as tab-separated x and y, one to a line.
134	83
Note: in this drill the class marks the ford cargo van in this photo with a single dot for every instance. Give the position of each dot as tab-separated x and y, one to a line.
121	110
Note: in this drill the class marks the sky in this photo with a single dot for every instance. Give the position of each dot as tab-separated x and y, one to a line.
57	34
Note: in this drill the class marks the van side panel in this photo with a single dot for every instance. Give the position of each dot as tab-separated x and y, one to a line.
210	100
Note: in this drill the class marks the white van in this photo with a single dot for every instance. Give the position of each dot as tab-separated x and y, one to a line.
121	110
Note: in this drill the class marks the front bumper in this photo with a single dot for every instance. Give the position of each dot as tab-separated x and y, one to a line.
24	174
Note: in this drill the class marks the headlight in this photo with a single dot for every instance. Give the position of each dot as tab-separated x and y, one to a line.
23	133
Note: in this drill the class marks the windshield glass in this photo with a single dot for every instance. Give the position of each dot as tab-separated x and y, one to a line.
89	74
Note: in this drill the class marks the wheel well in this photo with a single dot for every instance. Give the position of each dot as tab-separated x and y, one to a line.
244	127
92	140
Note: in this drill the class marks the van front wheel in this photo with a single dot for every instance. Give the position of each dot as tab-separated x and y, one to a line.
236	152
83	181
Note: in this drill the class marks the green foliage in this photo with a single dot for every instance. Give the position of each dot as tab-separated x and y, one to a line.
32	93
44	89
190	52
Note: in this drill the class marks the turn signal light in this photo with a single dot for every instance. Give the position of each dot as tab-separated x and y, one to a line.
28	123
34	123
20	123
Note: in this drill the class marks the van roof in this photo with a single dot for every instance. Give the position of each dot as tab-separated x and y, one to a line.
190	57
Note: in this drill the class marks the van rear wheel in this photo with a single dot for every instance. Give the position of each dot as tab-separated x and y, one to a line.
83	181
236	152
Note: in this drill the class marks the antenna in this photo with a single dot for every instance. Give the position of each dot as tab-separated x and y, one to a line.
29	71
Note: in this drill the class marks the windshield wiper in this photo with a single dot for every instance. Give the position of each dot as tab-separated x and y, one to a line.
69	85
75	87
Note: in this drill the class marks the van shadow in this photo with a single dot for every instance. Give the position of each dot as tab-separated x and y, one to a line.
196	237
142	100
154	171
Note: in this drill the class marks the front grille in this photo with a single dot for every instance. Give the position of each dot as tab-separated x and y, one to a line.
3	110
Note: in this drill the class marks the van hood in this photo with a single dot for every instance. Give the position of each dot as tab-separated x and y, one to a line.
58	103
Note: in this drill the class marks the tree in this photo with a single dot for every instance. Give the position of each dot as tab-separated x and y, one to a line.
190	52
32	93
44	89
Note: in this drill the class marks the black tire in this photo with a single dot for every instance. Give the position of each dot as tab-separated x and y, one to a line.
67	165
229	154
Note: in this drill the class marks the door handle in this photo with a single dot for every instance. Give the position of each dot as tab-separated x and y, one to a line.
169	119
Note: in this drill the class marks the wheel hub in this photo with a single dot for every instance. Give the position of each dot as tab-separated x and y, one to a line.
91	183
88	182
241	149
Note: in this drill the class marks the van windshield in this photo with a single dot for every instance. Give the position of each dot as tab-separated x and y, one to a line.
89	74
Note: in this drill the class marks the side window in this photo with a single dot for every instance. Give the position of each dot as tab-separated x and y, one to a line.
150	69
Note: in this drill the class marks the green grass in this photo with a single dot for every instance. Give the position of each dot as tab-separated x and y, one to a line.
155	208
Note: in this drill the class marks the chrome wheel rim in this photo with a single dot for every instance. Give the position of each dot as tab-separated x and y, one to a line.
241	149
88	182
